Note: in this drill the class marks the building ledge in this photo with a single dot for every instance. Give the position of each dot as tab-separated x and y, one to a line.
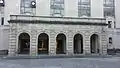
56	20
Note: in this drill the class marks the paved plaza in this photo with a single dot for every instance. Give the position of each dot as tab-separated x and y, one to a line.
61	63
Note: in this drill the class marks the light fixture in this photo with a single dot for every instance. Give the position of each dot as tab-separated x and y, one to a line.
33	4
1	2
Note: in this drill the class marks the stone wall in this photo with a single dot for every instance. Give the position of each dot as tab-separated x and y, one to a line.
35	29
4	41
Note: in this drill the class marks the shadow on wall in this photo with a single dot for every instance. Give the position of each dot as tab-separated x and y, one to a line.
113	51
3	52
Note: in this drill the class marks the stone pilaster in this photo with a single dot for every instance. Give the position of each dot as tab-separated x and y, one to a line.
52	44
70	43
12	40
33	44
86	44
104	43
12	44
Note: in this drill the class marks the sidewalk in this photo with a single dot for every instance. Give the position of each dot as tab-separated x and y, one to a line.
56	56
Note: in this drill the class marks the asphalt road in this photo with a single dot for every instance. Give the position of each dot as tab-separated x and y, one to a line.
61	63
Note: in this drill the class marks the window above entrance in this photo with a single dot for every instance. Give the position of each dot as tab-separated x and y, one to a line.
28	7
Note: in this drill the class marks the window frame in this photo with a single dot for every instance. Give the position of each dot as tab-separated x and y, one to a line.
25	5
86	7
108	7
54	4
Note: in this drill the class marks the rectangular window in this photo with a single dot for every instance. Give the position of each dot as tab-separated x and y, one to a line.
84	7
28	7
109	24
114	24
57	8
2	20
109	8
110	40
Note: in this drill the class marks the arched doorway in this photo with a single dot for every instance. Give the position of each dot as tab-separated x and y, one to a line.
94	43
24	43
61	44
43	43
78	44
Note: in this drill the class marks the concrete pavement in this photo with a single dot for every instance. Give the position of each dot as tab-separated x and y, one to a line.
113	62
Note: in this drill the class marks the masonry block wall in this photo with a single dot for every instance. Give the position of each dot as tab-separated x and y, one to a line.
52	30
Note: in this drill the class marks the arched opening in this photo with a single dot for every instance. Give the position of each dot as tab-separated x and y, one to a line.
78	44
43	44
61	44
24	43
94	40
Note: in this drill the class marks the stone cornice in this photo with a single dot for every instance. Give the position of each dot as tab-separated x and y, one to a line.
56	20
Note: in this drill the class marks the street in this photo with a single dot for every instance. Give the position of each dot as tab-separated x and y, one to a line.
113	62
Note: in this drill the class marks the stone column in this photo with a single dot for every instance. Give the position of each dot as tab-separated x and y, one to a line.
52	44
12	39
33	43
69	42
86	44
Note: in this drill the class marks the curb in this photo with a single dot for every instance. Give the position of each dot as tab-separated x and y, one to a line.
55	57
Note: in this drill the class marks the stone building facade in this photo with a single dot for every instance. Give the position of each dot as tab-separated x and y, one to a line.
91	9
60	35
